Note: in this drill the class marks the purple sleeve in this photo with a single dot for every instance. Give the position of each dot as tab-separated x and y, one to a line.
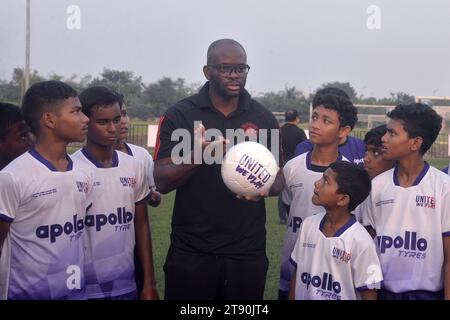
445	170
303	147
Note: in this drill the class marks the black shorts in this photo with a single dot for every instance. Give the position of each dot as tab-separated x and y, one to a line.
209	277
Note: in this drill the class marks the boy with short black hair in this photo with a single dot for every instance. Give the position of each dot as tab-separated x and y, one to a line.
14	133
44	194
331	120
350	147
373	160
118	217
409	209
334	257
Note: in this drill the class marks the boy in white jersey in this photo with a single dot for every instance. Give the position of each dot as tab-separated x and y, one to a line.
409	209
118	218
136	151
142	155
44	194
332	118
374	163
334	256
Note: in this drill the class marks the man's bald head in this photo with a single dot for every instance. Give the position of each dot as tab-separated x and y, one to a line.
221	44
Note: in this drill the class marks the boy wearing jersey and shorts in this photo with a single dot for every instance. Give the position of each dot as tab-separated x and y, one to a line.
44	194
334	257
332	118
409	209
118	218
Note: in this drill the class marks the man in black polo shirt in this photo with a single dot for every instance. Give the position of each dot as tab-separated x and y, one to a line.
291	135
218	242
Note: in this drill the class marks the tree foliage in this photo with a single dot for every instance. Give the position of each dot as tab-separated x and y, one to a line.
145	101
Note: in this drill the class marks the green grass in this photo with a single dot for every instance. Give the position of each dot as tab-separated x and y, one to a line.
160	219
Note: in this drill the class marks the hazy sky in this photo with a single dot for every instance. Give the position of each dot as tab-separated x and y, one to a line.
301	43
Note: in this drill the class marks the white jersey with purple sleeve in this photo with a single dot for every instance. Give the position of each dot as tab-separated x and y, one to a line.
145	158
353	149
109	224
334	268
300	175
43	255
410	224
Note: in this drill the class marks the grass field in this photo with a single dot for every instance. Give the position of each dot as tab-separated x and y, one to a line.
160	219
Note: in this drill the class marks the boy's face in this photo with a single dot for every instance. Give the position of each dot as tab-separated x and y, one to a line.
17	141
324	127
374	162
124	123
70	123
396	143
104	125
325	191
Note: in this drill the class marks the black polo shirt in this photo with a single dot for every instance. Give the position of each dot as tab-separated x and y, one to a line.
207	217
292	135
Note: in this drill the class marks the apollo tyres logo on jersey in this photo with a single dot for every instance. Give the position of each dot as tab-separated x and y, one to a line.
409	245
72	229
120	220
324	285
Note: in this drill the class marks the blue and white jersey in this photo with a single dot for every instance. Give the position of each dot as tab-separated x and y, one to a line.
445	170
145	158
353	149
43	256
410	223
334	268
109	224
300	175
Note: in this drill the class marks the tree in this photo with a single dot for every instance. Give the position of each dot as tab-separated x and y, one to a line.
165	93
345	86
289	98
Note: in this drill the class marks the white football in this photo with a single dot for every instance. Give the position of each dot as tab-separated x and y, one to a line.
249	169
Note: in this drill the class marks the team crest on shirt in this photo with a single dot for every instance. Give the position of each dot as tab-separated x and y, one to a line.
250	130
426	201
341	255
128	181
82	186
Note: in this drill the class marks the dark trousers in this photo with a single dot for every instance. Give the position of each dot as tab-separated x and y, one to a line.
209	277
410	295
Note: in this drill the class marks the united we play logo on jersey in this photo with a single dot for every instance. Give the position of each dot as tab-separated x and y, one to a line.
426	201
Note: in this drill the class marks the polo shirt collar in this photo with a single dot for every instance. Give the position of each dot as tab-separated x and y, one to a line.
204	101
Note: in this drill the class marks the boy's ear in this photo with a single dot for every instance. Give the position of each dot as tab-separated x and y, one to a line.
48	120
343	200
344	131
416	143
